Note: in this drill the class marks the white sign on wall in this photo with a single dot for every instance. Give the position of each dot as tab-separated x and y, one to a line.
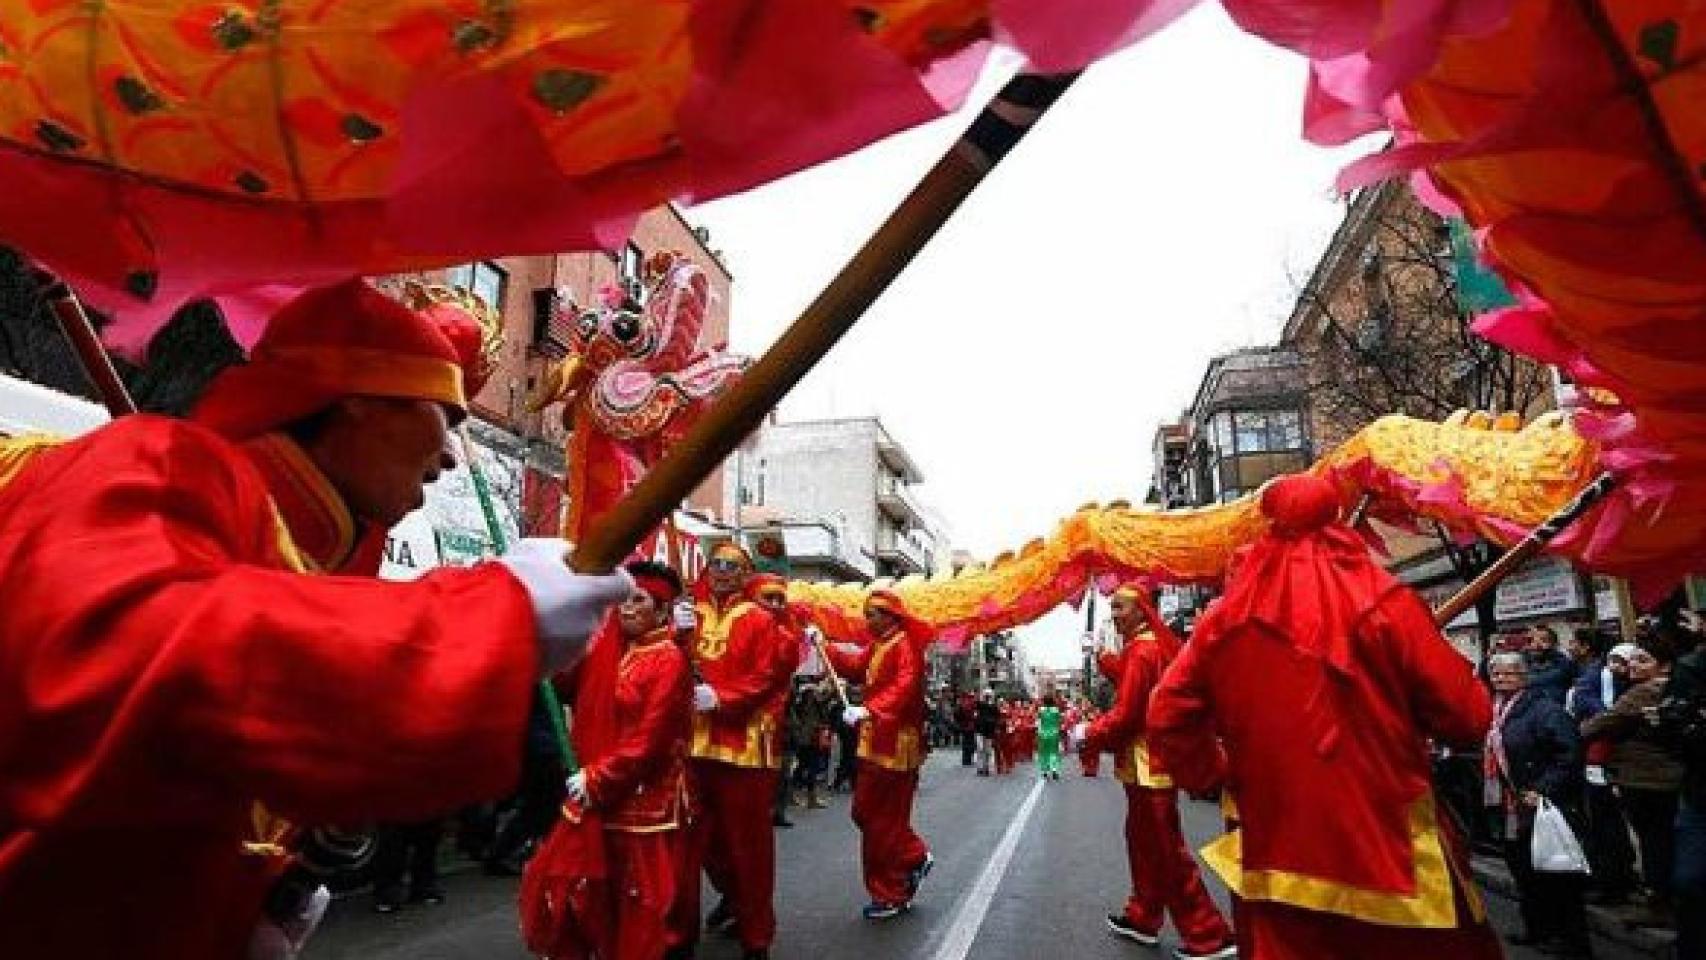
1545	586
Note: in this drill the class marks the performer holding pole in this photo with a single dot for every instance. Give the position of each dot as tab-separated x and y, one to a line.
173	693
1325	679
1164	876
891	667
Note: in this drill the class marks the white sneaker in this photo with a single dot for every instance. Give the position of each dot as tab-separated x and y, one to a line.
1223	953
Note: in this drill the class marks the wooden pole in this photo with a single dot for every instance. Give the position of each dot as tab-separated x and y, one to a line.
829	668
1359	511
740	411
1531	545
494	529
85	343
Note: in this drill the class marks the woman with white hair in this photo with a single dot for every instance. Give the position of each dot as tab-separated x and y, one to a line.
1534	753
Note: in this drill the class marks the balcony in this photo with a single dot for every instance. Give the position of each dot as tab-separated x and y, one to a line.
902	552
895	499
819	545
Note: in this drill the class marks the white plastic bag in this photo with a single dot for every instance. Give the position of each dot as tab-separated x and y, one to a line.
1555	848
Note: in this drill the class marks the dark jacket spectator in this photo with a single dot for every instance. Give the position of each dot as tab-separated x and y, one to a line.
988	718
1550	671
1682	719
1639	758
1537	754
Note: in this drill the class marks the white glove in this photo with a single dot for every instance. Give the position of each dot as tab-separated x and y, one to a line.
1080	732
814	636
704	698
852	715
846	649
686	618
567	606
575	787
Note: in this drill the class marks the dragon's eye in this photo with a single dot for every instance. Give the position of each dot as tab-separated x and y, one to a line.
625	327
586	326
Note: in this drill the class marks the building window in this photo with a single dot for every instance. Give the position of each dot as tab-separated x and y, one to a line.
1220	434
485	280
1266	431
628	264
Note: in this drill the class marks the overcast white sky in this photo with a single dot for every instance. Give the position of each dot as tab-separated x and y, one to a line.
1026	358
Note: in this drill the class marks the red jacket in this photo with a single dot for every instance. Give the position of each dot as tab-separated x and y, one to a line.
1330	771
1120	731
164	667
748	658
639	784
892	671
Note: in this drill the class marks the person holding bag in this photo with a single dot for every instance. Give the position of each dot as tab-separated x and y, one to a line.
1534	757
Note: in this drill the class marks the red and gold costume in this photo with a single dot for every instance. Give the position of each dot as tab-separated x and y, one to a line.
1324	679
748	658
606	879
171	683
1164	876
891	750
1089	757
1006	745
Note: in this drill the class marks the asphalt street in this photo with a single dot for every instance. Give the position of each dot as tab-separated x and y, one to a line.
1025	871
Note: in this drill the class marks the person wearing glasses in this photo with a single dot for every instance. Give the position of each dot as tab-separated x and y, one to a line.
745	658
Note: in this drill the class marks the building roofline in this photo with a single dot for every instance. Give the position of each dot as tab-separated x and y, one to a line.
691	227
1330	267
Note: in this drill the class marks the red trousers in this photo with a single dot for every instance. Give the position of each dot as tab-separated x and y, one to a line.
1164	875
644	868
1091	760
735	843
882	809
1275	931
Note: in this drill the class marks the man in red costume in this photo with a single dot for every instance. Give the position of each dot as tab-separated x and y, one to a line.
604	880
891	722
746	662
1164	876
173	680
1324	679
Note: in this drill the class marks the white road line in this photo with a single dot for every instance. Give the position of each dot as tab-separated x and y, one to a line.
969	919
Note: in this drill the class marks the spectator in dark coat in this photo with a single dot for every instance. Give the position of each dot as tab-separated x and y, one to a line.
988	720
965	725
1682	719
1593	690
1647	776
1550	671
1536	754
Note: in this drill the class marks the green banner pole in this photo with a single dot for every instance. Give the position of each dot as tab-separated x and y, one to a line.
547	694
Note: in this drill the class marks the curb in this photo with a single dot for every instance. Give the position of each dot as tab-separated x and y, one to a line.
1495	877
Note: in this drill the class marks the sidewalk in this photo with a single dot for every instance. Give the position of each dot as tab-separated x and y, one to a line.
1494	877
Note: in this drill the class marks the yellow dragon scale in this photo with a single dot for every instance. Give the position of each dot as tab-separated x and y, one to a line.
1498	480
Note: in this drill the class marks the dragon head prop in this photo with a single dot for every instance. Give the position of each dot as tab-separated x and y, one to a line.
634	379
634	365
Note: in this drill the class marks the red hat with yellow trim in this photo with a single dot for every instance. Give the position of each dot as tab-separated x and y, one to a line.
767	586
334	342
890	602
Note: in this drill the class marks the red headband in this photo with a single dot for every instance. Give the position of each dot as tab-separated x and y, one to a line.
658	588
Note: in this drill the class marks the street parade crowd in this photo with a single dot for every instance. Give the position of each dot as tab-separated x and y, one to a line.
198	718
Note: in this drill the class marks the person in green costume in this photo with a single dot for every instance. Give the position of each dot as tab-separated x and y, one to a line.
1048	739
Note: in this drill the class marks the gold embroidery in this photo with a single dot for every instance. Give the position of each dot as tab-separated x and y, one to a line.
713	638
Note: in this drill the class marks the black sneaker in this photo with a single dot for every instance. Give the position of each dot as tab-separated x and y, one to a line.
431	896
876	910
915	876
386	906
1119	926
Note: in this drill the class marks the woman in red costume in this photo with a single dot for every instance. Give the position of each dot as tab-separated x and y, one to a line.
1324	679
891	667
605	878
